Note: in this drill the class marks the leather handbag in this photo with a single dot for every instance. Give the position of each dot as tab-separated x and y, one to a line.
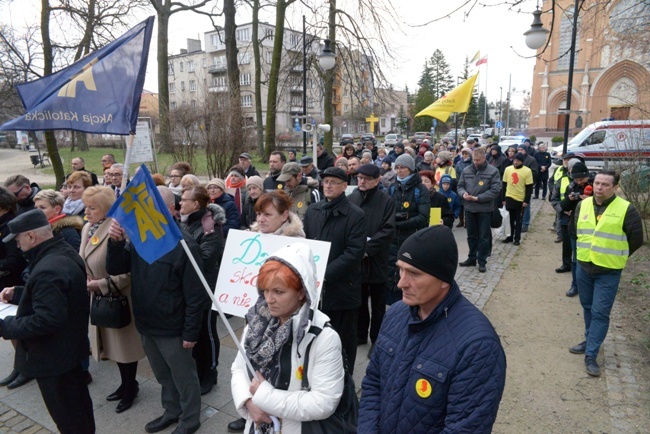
112	310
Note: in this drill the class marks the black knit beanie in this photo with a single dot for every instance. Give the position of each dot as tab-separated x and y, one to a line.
432	250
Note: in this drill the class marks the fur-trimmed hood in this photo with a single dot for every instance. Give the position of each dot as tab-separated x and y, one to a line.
69	221
218	214
291	228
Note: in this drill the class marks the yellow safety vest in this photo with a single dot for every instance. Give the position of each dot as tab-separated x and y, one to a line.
603	242
562	174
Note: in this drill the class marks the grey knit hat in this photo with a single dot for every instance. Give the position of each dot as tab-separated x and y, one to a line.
406	161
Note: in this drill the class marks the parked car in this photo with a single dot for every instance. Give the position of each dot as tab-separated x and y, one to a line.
421	135
478	138
368	137
392	139
512	140
346	139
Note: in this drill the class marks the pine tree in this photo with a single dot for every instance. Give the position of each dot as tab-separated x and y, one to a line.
423	98
442	81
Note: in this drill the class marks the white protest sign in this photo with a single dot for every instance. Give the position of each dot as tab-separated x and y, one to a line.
142	147
244	254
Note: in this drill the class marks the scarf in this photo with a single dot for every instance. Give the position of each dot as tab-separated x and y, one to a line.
264	341
72	207
403	180
93	228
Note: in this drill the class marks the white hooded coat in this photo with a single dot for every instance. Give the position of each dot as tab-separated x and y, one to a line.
325	373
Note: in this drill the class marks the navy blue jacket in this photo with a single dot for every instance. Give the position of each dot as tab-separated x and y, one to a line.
445	373
227	202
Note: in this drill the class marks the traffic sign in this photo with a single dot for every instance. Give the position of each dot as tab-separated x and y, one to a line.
499	124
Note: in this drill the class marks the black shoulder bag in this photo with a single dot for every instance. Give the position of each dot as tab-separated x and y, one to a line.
112	310
344	419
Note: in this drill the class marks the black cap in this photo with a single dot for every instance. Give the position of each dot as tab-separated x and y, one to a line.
245	155
369	170
26	221
433	242
306	161
579	170
519	156
399	145
335	172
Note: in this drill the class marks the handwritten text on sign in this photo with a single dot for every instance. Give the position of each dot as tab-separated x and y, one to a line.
243	256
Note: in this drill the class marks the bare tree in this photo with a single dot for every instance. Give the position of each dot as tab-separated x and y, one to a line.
164	10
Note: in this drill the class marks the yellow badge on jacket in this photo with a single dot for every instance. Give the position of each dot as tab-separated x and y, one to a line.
423	388
279	186
299	204
481	183
299	372
406	204
94	240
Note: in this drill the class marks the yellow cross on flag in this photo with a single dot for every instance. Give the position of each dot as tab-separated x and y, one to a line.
455	101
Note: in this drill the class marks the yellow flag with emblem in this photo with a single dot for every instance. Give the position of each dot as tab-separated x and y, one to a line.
455	101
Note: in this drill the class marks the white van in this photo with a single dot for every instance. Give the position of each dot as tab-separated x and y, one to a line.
605	141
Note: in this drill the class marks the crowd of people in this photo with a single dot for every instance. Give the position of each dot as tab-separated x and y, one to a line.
435	361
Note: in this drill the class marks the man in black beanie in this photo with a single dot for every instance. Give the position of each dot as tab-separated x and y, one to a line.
439	364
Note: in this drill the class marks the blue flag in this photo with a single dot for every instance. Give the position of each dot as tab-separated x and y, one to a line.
141	211
100	93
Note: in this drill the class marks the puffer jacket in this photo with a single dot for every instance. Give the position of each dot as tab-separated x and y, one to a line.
205	228
325	372
457	353
227	202
484	183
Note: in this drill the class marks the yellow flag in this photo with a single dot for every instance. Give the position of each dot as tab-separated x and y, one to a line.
476	57
455	101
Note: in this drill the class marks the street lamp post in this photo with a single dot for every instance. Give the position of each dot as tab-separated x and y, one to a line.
326	60
536	38
500	111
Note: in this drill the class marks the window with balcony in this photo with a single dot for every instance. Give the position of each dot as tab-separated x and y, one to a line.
219	81
296	101
192	85
172	87
247	101
245	80
244	58
243	35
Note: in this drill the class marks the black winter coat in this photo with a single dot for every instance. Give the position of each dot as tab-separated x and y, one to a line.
248	216
168	296
206	231
51	324
12	262
543	160
379	209
412	207
324	161
343	225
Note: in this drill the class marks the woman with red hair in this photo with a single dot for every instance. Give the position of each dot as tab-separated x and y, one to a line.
276	341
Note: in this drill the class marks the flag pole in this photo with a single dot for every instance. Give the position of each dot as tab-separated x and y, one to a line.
276	421
127	160
214	301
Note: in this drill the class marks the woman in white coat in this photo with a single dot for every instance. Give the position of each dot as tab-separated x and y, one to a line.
278	330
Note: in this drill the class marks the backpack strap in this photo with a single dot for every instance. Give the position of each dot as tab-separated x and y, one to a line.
304	384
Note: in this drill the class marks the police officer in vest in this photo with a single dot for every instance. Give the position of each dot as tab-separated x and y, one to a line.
609	230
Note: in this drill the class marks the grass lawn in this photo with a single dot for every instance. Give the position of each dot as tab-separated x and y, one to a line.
93	158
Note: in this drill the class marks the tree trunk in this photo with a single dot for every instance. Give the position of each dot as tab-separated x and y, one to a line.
232	65
82	141
329	81
259	127
163	78
48	61
272	99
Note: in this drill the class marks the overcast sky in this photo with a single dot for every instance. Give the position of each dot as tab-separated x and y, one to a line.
495	31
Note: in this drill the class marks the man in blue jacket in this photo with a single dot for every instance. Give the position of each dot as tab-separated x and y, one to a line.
438	365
